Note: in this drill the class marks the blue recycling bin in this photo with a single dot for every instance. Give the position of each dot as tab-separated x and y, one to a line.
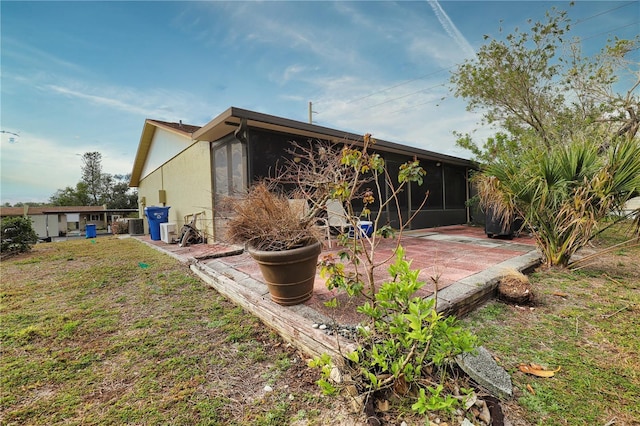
90	231
156	216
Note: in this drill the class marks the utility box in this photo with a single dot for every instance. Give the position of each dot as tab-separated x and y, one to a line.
168	232
136	227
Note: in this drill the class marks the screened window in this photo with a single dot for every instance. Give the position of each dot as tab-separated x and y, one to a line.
230	174
432	183
456	187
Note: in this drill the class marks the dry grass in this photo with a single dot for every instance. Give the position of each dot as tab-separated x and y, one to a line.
109	331
585	322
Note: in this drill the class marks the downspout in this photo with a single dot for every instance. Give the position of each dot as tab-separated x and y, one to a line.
468	194
242	135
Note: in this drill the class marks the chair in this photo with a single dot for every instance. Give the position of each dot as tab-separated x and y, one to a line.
337	217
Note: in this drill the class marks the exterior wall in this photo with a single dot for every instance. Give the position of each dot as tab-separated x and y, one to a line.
45	225
148	194
186	181
61	225
39	223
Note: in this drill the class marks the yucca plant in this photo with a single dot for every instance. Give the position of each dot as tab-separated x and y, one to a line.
562	194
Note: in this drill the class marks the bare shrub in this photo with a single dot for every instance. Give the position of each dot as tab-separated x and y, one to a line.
266	220
514	287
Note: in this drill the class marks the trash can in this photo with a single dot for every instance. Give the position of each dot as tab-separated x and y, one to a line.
90	231
156	216
136	227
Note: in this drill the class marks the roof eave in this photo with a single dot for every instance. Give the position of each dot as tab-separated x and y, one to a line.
228	121
146	137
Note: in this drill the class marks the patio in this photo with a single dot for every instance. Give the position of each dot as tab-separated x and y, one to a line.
464	262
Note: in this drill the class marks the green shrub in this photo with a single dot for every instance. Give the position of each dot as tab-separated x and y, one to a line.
407	339
17	234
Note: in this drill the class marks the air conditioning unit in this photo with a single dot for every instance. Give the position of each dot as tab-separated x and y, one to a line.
168	233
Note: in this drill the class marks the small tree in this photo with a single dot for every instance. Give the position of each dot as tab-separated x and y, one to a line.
353	175
563	193
563	158
17	234
405	337
541	91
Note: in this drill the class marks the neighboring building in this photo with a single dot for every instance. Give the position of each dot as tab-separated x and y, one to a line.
58	221
632	207
191	169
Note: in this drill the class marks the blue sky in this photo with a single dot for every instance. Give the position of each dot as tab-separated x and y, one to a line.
83	76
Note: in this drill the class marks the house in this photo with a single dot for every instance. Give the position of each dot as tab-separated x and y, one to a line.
57	221
191	169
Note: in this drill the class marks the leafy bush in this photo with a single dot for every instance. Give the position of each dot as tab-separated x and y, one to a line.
409	340
17	234
563	195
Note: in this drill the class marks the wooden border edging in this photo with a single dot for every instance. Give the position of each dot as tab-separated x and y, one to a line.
293	328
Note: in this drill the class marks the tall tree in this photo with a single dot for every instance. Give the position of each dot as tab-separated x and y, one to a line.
538	82
97	188
567	150
92	175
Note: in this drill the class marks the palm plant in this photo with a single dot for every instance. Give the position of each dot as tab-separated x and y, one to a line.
562	194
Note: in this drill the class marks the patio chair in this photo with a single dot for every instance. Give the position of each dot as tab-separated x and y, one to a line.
337	216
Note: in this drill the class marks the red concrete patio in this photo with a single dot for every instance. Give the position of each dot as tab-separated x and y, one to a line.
445	255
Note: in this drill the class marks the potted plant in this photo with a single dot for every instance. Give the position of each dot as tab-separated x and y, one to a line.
282	237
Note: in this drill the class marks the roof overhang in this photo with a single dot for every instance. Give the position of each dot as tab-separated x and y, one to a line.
229	120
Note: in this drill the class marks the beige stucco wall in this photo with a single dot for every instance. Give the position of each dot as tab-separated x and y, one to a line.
186	180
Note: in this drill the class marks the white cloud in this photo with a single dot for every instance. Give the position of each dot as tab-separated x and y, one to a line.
28	54
451	29
157	103
35	167
293	71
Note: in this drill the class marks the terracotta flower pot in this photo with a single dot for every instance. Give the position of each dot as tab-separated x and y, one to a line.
289	274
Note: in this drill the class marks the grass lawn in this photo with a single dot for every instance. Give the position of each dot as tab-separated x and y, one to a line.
110	331
587	322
